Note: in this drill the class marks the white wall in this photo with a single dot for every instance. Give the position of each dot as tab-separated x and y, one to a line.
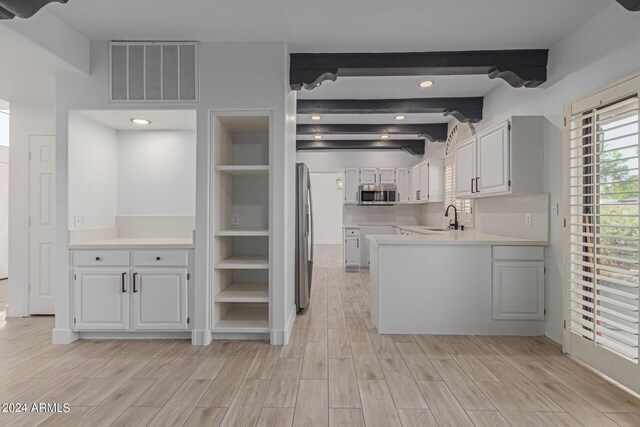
27	119
599	52
326	199
156	174
93	158
246	76
4	213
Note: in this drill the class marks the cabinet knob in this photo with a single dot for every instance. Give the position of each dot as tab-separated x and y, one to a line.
98	258
157	258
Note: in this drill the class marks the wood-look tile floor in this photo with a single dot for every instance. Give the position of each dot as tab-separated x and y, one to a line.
337	370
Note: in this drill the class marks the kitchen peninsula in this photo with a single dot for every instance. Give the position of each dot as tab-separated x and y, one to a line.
457	282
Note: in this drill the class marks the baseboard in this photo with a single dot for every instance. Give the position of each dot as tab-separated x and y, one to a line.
281	336
554	333
201	337
182	335
63	336
16	311
237	336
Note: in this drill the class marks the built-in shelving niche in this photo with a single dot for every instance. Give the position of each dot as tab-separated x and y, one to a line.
240	218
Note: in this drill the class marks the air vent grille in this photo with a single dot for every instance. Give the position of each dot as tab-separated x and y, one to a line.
153	72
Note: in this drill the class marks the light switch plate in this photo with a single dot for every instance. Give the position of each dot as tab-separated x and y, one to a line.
527	219
555	209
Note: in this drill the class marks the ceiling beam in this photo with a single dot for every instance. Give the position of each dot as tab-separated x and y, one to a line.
519	68
23	8
632	5
467	110
412	146
434	132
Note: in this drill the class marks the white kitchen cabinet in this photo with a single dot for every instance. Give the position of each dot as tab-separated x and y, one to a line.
160	299
352	250
466	169
386	176
403	181
350	185
368	176
415	183
101	299
518	290
367	230
132	297
505	159
424	181
493	161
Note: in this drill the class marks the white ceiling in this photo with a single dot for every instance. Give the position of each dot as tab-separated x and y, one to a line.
394	87
160	119
336	25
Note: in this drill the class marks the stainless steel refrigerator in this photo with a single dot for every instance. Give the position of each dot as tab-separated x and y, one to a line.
304	237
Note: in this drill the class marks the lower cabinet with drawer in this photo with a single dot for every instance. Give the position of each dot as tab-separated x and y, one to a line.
518	281
150	292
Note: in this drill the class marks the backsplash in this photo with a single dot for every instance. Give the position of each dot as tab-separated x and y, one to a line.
506	216
398	214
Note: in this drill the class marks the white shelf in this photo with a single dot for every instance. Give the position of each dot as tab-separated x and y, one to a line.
244	292
243	232
244	320
244	169
244	262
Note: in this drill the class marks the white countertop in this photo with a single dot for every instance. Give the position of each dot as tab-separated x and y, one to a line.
452	238
136	243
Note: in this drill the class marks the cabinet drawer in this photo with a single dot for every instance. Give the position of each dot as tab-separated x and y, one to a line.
160	258
101	258
524	253
352	232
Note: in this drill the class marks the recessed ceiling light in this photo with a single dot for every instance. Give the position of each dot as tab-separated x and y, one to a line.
384	136
426	83
317	137
401	117
315	117
141	121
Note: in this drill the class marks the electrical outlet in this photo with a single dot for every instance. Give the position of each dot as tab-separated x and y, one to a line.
235	220
79	221
555	209
527	219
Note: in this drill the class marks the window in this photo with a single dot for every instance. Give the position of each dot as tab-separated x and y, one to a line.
603	222
458	134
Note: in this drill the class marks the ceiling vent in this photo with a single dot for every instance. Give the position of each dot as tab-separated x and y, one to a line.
153	72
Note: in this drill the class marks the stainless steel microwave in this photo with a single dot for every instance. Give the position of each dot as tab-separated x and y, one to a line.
378	194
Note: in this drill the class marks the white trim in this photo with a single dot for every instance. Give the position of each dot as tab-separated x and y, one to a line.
134	335
201	337
246	337
63	336
281	336
553	332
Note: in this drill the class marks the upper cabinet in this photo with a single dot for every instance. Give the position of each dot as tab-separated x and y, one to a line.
403	180
505	159
386	176
369	176
427	181
377	176
350	186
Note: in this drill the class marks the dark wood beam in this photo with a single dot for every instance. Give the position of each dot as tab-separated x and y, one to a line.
519	68
23	8
434	132
467	110
413	146
632	5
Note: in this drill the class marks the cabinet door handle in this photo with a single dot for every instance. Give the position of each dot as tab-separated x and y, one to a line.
357	243
124	288
477	179
135	289
472	187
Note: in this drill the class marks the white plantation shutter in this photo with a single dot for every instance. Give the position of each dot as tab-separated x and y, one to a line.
458	134
604	226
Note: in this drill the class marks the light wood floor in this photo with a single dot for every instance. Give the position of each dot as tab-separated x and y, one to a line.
4	293
336	371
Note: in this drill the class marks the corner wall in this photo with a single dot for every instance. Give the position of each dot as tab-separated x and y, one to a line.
599	52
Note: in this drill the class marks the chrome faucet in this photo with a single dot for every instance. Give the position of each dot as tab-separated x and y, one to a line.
453	225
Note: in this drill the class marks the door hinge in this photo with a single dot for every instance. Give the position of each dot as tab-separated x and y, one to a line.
74	320
188	276
565	122
188	320
509	126
565	222
509	183
564	324
544	311
75	277
545	269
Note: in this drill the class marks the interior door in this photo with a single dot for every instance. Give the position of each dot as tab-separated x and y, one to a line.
466	169
494	161
160	299
101	299
4	212
42	223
